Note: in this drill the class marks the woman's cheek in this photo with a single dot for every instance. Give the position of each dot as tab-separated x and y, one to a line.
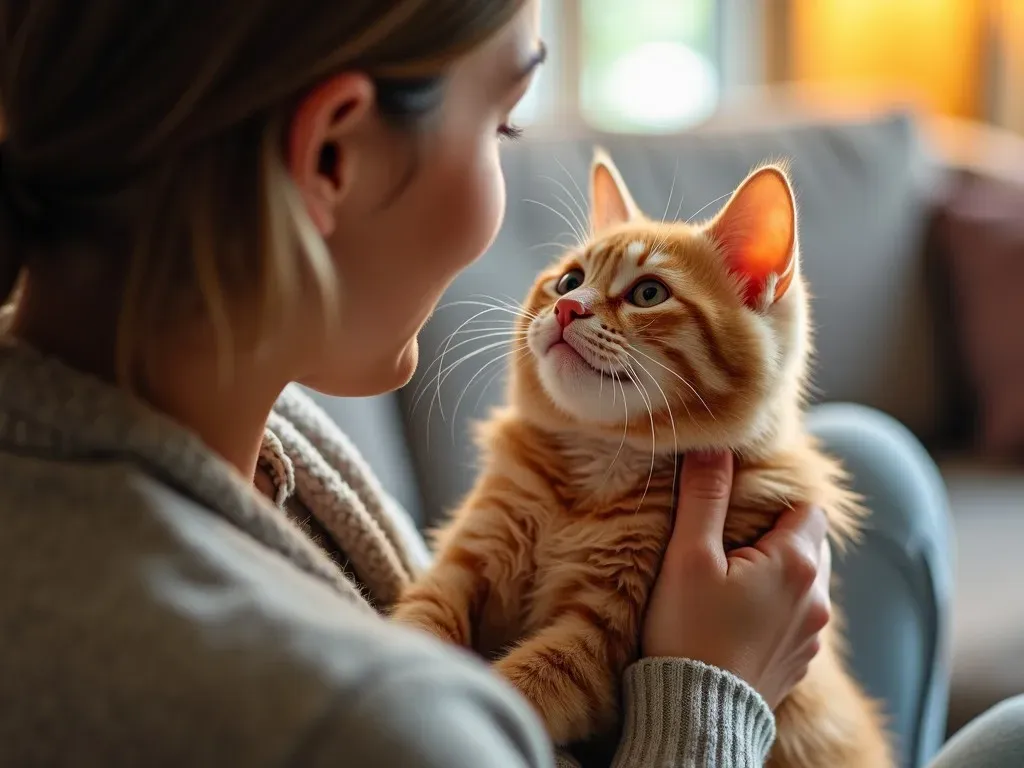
476	211
499	202
491	199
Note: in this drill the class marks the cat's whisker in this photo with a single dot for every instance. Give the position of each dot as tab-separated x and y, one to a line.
654	440
559	245
577	212
579	228
685	382
468	356
679	208
478	326
580	237
672	190
668	203
573	209
487	385
486	328
425	379
443	375
481	333
509	303
444	372
668	405
476	375
625	430
582	197
514	303
716	200
490	308
447	342
671	420
682	400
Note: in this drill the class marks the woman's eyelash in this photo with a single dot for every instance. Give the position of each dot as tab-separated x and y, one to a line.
510	132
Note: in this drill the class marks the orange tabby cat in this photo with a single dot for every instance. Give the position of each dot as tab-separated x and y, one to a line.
649	340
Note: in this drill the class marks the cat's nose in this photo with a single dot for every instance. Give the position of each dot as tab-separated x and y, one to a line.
567	310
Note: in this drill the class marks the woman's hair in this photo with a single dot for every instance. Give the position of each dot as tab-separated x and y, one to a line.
153	133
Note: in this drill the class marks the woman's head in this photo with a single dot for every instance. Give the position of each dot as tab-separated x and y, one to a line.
193	160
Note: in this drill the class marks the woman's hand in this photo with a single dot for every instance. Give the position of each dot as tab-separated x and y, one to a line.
756	611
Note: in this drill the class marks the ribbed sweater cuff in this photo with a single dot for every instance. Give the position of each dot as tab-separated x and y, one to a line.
684	713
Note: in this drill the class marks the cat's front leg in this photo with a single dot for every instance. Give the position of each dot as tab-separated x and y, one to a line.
567	672
480	567
445	600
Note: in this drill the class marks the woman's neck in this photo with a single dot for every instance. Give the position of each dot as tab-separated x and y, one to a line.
182	373
226	408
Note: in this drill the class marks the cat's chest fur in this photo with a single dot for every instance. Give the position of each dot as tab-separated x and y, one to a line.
610	529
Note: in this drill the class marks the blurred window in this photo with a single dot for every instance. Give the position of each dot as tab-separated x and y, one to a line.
648	65
628	65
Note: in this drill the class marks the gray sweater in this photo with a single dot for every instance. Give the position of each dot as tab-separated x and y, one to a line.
156	610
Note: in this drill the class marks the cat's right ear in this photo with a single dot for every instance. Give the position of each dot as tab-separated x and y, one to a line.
756	232
611	203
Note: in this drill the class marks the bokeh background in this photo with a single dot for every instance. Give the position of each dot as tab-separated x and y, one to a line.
667	65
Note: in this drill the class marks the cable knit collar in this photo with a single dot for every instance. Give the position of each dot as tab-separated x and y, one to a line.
312	463
51	410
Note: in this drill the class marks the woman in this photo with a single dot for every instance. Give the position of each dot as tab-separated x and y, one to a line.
201	203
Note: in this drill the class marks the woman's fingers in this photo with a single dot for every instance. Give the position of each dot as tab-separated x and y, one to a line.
705	485
809	524
825	567
796	541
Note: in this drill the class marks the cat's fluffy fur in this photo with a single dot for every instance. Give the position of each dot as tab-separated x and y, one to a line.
547	565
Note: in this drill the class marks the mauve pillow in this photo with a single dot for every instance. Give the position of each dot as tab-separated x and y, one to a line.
983	224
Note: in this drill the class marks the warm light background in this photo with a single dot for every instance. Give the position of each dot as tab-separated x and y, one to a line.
932	50
1010	22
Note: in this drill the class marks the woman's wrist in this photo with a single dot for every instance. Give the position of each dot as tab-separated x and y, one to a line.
685	712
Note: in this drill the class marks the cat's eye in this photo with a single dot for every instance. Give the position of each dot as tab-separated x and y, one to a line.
570	281
648	293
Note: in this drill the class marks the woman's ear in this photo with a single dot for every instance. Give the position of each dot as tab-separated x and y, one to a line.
317	158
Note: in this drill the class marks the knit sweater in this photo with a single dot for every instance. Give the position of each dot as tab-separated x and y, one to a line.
157	609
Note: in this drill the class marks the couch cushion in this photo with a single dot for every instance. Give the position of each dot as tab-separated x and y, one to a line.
982	222
859	186
988	615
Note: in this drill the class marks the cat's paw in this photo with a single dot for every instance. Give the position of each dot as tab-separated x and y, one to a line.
429	617
571	708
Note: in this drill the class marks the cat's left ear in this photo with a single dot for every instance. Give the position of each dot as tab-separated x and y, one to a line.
610	201
756	231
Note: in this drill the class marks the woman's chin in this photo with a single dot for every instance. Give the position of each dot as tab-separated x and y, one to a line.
406	364
375	377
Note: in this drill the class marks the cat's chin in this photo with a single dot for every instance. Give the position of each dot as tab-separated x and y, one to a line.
582	391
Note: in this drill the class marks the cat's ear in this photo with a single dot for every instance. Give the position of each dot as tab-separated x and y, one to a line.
610	201
757	231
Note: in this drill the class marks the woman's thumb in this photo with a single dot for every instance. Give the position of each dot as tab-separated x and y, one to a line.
705	485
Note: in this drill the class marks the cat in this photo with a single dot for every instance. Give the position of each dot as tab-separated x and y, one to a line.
648	340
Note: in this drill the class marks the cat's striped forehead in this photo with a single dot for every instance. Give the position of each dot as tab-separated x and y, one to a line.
616	262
